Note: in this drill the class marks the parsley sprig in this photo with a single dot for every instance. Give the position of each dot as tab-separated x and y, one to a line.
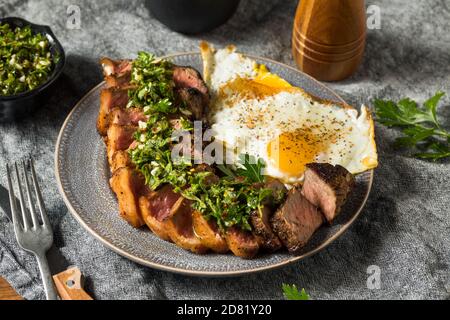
291	292
248	167
420	126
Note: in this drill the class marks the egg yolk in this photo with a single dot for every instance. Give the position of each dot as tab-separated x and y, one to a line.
269	79
290	152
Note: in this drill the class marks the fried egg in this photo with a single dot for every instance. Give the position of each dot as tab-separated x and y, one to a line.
258	113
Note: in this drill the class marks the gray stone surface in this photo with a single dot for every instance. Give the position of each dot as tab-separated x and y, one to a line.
404	229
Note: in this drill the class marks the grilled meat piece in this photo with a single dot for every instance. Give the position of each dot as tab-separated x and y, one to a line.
127	184
296	221
128	116
263	230
120	159
118	138
109	99
115	67
242	243
180	228
208	233
157	208
162	202
277	187
120	81
261	220
327	187
193	99
187	77
158	227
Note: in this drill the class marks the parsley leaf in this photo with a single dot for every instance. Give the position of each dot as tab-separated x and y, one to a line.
420	126
291	292
251	168
247	167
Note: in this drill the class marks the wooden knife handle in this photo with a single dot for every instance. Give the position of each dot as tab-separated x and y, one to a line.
70	285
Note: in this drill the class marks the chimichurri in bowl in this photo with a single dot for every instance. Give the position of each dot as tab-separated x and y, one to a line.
31	59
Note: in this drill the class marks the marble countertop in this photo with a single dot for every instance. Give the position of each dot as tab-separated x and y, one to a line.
404	230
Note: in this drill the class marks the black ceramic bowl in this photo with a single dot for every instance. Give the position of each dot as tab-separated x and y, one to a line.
192	16
20	105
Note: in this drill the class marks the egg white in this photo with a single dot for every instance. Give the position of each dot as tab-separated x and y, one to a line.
247	123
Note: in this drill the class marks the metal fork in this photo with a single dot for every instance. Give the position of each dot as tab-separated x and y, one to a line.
32	235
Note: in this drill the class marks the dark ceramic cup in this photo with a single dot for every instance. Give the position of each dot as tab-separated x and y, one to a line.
192	16
23	104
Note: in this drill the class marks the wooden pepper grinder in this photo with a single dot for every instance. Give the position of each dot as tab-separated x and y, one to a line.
329	37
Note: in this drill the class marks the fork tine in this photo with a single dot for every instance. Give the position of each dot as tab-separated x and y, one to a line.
26	220
12	199
40	202
34	216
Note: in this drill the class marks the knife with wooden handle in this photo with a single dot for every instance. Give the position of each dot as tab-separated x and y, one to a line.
70	285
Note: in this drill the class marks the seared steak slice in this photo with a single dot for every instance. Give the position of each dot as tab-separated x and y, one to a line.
157	227
180	228
208	233
119	138
327	187
187	77
162	201
127	116
127	184
121	81
157	208
109	99
193	99
242	243
115	67
263	230
120	159
296	221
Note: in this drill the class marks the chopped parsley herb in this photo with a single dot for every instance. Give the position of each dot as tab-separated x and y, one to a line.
228	200
154	85
25	60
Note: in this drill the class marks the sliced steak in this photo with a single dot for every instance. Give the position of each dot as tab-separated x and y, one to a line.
127	184
157	208
162	201
188	77
296	221
120	81
129	116
119	160
118	138
157	227
327	187
109	99
263	230
242	243
193	100
208	233
115	67
180	228
260	221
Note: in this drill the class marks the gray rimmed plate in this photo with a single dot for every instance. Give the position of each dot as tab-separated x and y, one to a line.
82	173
